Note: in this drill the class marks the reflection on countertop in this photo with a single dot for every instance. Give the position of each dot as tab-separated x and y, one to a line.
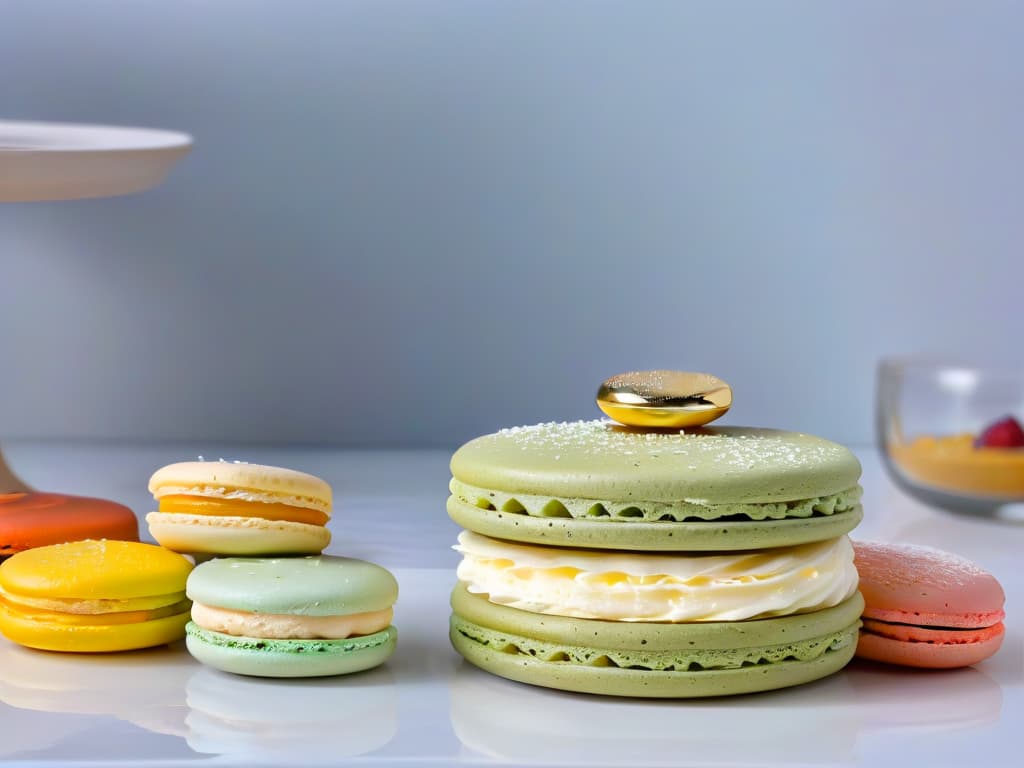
923	699
297	719
55	701
142	688
98	684
504	720
819	723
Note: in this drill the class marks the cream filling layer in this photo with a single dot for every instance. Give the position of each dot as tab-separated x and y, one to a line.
84	605
241	494
279	626
619	586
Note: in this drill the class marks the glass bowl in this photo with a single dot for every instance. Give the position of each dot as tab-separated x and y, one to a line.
928	416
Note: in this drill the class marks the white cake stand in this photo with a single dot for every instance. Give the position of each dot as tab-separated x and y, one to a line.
58	161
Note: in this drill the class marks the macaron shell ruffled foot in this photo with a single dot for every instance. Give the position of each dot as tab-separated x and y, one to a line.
232	508
926	608
94	596
291	617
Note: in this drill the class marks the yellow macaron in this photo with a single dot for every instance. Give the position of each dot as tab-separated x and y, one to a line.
94	595
234	508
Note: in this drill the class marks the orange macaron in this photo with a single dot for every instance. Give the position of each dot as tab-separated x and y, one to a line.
926	608
33	519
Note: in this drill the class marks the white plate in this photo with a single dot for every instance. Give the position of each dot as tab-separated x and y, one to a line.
61	161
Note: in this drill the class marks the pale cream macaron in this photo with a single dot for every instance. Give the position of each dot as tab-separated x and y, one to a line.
234	508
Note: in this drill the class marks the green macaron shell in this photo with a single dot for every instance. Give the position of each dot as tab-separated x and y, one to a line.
302	586
614	681
652	659
685	659
289	658
655	636
709	466
662	536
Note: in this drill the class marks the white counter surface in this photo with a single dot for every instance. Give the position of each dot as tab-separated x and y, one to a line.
427	707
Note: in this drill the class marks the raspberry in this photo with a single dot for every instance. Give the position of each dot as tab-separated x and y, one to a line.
1005	433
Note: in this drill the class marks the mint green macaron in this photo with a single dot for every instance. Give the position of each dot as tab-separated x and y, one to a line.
291	617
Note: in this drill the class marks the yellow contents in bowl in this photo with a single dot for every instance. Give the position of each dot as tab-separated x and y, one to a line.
953	463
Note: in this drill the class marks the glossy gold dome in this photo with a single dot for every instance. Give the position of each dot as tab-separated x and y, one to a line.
664	399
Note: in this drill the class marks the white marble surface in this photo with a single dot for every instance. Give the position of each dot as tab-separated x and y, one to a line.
426	707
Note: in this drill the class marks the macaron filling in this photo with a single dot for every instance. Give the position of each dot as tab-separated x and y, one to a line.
242	482
912	633
289	626
92	605
85	619
639	587
968	619
236	507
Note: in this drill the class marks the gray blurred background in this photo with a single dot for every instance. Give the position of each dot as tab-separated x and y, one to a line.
407	223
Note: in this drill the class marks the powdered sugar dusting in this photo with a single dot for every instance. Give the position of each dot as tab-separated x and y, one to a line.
906	564
732	447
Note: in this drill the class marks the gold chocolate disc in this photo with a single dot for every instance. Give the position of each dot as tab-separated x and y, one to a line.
664	399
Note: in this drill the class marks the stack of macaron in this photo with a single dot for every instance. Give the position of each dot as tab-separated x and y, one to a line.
269	604
639	560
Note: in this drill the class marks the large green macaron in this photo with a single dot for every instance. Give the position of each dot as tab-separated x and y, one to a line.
651	659
598	484
267	591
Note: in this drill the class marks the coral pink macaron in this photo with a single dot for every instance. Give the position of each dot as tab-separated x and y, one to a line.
926	608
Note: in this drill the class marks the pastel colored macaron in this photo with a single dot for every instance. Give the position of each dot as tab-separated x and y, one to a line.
36	519
926	608
291	617
94	595
601	485
234	508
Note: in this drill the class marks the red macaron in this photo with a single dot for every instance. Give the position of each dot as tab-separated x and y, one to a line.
926	608
36	519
